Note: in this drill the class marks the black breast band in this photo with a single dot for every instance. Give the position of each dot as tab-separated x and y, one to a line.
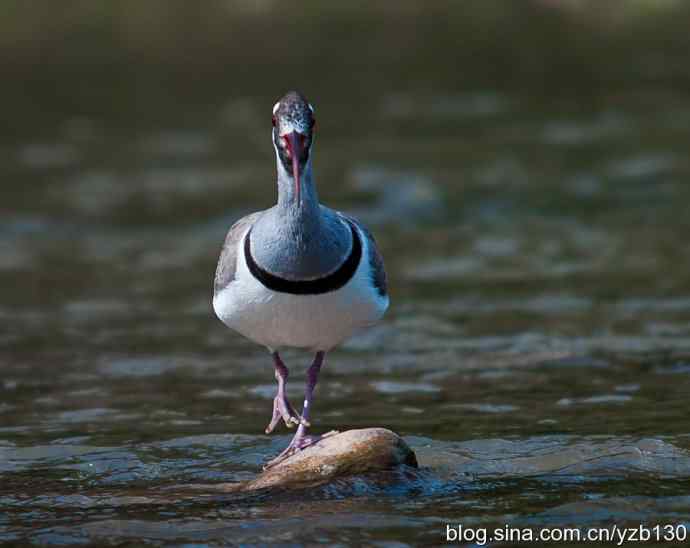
331	282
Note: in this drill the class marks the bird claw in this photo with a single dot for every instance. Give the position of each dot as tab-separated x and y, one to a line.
297	445
282	409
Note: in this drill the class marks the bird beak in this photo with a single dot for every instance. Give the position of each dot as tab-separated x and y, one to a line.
294	142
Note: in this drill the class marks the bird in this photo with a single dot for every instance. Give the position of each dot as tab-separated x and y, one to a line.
298	274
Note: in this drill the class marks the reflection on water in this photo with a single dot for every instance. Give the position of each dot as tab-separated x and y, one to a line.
536	355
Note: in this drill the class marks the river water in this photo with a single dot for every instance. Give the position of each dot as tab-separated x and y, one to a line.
536	354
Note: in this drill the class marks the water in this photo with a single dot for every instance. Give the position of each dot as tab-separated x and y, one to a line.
536	355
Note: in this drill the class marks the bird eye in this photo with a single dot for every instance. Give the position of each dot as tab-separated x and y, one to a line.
273	121
313	123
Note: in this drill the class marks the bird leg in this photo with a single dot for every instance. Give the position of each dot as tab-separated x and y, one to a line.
301	440
282	409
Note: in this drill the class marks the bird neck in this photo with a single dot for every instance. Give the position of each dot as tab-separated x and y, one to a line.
306	211
299	241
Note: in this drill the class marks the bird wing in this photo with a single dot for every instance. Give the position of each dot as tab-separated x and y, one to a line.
225	271
378	270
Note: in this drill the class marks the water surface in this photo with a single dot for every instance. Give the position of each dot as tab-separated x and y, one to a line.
536	354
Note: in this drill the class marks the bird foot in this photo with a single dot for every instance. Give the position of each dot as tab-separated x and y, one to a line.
296	445
282	409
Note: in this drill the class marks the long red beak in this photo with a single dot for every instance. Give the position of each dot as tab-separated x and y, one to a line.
294	143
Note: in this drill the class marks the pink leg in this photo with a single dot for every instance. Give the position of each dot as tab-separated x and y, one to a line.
301	440
282	409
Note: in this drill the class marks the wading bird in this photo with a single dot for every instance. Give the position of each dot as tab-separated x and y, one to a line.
298	274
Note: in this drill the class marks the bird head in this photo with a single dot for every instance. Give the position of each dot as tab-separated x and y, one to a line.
293	131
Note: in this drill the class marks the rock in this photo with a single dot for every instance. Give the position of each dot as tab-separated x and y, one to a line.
345	453
336	455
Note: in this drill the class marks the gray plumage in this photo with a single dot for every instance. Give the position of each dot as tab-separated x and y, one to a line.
297	239
225	271
302	244
227	263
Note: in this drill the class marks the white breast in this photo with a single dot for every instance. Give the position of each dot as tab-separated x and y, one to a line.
316	322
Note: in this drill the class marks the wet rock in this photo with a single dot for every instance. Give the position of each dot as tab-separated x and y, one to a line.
336	455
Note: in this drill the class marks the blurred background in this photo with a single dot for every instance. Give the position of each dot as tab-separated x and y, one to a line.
524	166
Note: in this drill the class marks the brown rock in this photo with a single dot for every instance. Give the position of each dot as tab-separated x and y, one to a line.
335	455
339	454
